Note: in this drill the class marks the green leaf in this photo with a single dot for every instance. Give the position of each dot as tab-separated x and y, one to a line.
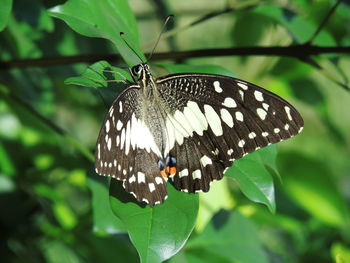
108	80
64	215
254	180
5	11
310	184
230	237
57	251
160	232
300	28
104	219
6	165
103	19
112	248
340	253
99	74
7	185
219	197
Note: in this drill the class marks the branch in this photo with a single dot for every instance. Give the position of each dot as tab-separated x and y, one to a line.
296	51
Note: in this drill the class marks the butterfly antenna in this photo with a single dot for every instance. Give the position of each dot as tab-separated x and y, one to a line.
161	32
122	37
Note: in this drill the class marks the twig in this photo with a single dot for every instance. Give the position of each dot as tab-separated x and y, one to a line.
296	51
324	21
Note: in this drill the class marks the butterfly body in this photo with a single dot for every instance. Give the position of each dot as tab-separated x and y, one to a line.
187	128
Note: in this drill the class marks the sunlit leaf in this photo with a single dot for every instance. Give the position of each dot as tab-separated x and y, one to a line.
309	183
104	219
254	180
5	11
229	237
160	232
103	19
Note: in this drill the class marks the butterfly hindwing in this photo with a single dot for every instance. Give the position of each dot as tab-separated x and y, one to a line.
121	152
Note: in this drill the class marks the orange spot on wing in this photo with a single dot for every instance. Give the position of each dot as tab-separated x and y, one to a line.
162	172
171	170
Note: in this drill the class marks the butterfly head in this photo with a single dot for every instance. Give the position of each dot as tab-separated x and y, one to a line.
140	71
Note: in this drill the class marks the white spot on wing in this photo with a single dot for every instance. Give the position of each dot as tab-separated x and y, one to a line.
122	139
216	152
127	138
229	103
151	187
159	180
230	151
205	160
226	117
266	106
183	173
242	85
239	116
119	125
252	135
287	109
109	144
107	126
213	120
241	143
141	177
241	92
265	134
217	87
120	107
276	130
262	113
197	174
286	127
258	95
132	179
99	151
111	112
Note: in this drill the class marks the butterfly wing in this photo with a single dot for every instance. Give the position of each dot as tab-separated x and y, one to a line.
215	119
124	150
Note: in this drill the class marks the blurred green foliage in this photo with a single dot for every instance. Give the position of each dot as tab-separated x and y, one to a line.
54	208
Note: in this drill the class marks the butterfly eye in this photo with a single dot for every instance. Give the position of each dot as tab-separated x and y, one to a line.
136	70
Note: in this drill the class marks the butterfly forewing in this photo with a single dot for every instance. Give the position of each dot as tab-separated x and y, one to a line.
236	118
188	127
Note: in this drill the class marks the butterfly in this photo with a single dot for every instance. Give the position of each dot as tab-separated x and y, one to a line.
187	128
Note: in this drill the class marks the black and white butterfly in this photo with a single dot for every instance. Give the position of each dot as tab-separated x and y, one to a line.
188	128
